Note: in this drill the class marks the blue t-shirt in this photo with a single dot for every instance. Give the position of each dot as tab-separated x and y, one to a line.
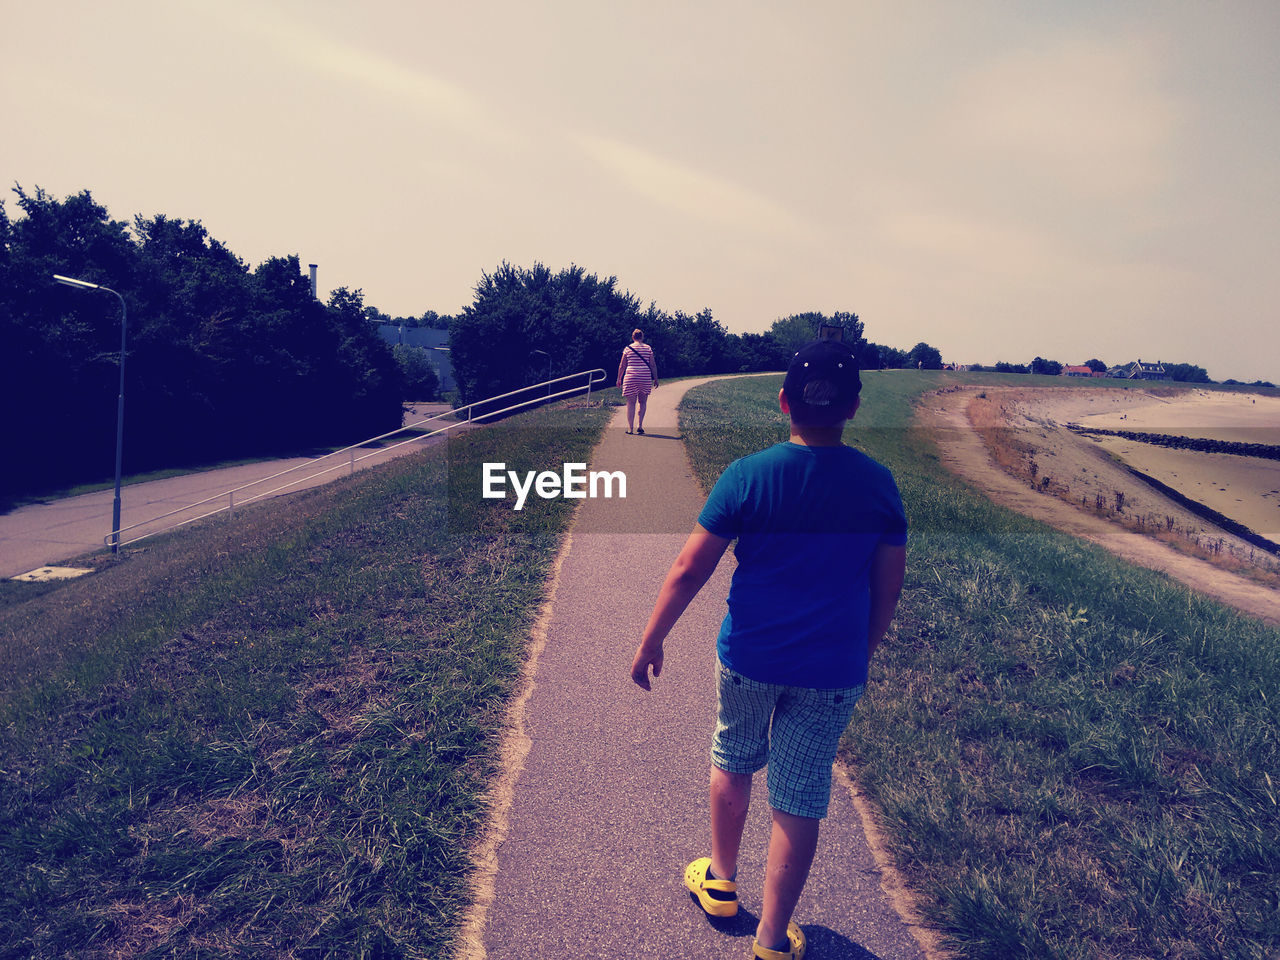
808	521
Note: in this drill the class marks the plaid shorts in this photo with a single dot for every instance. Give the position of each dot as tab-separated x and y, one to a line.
793	730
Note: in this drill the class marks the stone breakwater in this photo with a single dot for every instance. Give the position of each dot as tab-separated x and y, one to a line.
1208	513
1264	451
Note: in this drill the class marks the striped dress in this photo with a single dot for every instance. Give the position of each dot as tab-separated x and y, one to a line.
637	380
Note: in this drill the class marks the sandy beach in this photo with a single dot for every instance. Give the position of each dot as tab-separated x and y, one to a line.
1245	489
1218	415
1080	488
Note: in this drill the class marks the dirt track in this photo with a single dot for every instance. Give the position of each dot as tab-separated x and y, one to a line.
962	451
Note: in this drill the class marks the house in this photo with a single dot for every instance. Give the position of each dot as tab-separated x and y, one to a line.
1077	371
1146	371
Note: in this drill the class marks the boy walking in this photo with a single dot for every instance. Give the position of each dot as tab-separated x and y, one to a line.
821	558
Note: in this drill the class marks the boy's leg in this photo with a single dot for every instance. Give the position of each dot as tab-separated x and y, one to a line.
730	796
739	747
791	847
805	735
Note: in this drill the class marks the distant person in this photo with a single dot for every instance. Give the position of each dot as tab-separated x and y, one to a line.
638	377
821	559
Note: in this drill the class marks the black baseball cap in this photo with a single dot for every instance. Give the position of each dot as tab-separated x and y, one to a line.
822	382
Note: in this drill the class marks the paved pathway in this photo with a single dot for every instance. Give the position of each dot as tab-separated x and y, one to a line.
47	533
607	785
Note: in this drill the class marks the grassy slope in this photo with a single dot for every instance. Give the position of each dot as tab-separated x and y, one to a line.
272	739
1075	758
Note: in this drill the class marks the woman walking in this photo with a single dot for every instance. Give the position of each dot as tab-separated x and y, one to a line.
637	376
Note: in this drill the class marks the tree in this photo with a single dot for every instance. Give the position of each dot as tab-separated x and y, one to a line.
432	320
582	322
925	357
1096	365
220	358
795	331
1187	373
363	377
875	356
374	315
1048	368
688	344
758	352
59	348
418	377
187	342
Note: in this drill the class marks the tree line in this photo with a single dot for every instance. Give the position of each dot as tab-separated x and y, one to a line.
227	361
532	324
1178	372
223	361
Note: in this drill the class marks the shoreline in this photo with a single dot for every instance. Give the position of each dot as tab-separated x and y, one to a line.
1049	437
1207	513
1118	512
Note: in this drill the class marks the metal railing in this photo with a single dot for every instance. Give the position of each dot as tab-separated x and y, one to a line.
351	459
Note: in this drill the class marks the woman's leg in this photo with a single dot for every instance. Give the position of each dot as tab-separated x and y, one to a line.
644	401
631	414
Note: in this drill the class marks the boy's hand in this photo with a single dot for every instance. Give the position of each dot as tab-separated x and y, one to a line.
690	570
643	661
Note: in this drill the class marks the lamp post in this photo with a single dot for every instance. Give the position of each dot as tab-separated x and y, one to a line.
124	326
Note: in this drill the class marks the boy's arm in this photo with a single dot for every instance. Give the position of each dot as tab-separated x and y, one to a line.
691	569
888	570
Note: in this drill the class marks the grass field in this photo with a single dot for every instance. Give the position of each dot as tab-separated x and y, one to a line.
272	738
1074	758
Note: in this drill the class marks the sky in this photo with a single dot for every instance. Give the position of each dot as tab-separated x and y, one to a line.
999	179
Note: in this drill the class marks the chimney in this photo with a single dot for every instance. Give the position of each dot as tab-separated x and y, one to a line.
313	279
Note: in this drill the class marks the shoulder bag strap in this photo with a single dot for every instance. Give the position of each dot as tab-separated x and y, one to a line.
644	358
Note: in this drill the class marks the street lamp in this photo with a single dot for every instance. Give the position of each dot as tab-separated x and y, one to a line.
124	326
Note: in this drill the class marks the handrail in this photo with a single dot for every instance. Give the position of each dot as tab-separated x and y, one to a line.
352	459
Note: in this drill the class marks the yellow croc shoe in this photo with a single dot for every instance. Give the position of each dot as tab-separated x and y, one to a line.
719	898
795	940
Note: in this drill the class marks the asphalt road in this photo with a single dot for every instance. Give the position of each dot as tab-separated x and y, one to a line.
608	784
49	533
